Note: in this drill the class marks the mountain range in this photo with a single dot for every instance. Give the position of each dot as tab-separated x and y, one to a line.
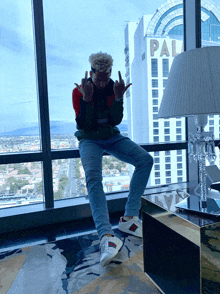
56	128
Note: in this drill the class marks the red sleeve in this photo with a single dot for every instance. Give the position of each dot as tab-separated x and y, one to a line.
76	95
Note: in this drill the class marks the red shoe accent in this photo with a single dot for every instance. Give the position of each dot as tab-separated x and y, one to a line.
133	228
111	244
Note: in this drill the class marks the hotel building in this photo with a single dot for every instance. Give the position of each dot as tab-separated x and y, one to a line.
150	47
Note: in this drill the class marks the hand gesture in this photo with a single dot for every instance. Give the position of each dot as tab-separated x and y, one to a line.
86	89
119	87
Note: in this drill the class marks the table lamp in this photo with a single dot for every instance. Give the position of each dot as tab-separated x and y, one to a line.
193	89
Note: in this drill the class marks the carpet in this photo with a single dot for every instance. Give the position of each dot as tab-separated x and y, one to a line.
68	265
126	278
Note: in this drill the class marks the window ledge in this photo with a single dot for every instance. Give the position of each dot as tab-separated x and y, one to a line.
35	215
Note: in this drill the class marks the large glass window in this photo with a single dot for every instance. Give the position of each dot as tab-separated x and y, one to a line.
74	30
69	177
19	127
168	169
210	25
21	184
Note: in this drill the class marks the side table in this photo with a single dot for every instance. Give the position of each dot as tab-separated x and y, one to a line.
181	250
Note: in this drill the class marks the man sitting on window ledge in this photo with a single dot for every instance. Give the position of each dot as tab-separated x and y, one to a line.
98	105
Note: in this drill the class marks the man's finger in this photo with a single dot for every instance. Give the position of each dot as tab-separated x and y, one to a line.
86	75
83	81
120	78
77	85
127	87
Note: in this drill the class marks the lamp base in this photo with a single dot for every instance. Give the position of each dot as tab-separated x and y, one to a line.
193	203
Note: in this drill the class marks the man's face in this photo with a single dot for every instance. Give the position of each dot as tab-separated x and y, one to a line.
100	79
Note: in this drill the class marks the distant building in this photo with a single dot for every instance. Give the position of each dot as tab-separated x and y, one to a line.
150	47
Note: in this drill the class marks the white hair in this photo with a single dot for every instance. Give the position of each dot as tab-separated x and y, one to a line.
101	62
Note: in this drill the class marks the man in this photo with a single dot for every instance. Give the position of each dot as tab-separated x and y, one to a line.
98	104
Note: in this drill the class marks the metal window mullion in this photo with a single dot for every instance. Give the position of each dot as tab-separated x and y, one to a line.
40	52
192	40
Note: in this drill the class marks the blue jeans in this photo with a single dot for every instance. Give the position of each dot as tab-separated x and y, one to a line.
91	152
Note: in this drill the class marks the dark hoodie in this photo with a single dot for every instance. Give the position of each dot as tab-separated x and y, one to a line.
97	119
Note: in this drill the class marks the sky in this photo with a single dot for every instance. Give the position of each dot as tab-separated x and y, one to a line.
73	30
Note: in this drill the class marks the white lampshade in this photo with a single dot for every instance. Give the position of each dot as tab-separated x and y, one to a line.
193	85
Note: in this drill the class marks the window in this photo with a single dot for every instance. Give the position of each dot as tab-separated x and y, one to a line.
178	137
178	130
167	166
166	131
19	125
25	180
179	165
179	173
165	67
154	68
179	179
167	159
179	158
178	123
211	122
155	109
157	174
211	129
156	167
166	138
178	152
156	153
168	180
155	93
164	83
155	131
157	181
157	160
66	60
168	173
167	152
154	83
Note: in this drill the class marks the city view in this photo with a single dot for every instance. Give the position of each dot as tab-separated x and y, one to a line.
21	183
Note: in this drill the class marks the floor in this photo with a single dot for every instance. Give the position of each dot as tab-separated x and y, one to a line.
65	258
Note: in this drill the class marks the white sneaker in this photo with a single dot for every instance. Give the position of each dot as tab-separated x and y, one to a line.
133	226
109	247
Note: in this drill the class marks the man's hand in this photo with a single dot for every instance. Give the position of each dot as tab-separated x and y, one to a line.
86	89
119	87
